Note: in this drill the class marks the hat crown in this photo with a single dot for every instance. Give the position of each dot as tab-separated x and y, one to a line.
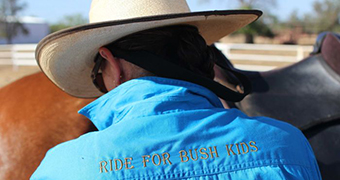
110	10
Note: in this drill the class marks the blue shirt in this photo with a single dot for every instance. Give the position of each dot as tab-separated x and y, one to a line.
158	128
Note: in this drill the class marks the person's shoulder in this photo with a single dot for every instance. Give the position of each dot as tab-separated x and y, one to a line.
259	127
269	133
66	159
268	124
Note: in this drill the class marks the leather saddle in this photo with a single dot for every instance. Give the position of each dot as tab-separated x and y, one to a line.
306	95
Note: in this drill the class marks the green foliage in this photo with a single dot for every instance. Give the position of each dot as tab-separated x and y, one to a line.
325	17
257	3
2	30
57	27
68	21
259	27
247	3
10	23
10	7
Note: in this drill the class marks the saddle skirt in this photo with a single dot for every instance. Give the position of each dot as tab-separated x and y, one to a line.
306	95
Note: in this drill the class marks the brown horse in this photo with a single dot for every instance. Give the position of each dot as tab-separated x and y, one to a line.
35	116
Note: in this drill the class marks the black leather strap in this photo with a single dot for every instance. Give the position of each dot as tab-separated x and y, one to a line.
165	68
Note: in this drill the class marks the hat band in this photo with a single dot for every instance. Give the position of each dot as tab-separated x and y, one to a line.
167	69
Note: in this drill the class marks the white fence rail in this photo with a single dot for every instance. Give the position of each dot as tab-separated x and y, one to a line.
244	56
262	57
18	55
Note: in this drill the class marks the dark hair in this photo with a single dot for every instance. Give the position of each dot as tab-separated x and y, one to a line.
181	44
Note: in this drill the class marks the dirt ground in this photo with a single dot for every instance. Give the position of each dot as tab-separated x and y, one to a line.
9	74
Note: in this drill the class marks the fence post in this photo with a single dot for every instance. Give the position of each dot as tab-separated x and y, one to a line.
14	58
300	53
225	48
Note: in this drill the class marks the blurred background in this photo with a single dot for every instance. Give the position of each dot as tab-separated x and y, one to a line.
282	36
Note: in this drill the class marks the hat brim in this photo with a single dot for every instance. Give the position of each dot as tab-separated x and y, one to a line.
67	56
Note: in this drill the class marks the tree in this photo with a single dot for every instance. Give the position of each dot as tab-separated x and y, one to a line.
9	21
257	3
68	21
248	3
259	27
325	17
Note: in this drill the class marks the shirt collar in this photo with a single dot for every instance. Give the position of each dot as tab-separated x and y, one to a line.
147	96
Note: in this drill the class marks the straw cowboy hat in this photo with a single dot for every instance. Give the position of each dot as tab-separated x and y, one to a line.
67	57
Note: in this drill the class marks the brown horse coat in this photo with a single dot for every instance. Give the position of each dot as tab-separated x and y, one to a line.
35	116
